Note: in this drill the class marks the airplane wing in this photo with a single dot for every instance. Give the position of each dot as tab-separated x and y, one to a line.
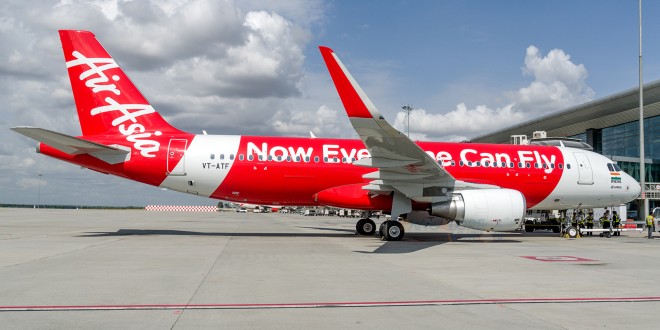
402	165
73	145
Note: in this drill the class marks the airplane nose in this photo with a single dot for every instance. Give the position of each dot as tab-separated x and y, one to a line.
633	187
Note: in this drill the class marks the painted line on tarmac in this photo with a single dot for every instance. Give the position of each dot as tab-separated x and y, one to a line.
327	304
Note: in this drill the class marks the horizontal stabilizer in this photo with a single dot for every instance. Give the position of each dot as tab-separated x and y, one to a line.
73	145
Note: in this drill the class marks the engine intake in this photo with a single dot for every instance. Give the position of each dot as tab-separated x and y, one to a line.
484	209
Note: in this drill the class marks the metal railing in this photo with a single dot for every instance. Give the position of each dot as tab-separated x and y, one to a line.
652	190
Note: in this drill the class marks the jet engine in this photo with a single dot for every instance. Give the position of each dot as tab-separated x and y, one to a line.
484	209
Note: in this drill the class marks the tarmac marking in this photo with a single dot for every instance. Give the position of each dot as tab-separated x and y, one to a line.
557	258
47	308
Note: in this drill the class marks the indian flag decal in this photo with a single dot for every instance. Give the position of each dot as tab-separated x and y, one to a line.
616	177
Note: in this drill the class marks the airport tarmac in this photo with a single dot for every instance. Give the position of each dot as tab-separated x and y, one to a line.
68	269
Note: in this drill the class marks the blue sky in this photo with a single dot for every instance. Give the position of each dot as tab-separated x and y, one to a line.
431	46
467	67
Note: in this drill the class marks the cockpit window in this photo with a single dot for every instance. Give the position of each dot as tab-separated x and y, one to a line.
616	167
610	167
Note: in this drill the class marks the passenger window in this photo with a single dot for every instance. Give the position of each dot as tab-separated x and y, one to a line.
325	159
460	163
241	157
528	165
316	159
222	156
486	163
250	157
511	165
231	157
453	163
520	165
560	165
306	159
270	157
261	157
212	156
279	158
568	166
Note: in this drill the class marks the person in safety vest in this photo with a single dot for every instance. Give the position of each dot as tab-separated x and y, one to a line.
649	224
574	219
605	220
580	220
590	222
616	223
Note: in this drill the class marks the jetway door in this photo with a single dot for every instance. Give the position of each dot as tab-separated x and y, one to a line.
584	168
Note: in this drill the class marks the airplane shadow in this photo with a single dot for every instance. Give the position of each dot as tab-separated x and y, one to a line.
419	241
411	243
173	232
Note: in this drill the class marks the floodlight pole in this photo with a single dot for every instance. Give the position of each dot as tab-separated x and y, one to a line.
642	166
408	108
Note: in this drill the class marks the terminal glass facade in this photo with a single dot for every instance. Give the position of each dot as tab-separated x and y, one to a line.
623	140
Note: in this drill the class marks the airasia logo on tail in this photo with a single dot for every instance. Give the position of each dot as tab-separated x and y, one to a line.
127	124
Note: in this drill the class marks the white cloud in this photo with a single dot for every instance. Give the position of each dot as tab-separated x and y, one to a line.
324	122
27	183
558	84
455	125
224	66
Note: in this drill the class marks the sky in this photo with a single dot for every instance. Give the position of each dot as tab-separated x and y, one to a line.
253	68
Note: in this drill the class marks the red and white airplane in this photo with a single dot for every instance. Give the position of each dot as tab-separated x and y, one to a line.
480	186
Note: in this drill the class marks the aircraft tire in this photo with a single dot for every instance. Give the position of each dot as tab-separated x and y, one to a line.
572	232
365	227
393	231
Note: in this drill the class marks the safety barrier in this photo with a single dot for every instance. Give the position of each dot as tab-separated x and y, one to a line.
181	208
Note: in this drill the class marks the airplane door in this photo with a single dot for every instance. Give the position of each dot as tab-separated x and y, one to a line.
176	150
584	168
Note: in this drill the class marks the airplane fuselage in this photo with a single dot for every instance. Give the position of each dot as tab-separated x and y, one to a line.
291	171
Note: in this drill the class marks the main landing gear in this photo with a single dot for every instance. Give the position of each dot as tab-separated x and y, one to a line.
389	230
365	227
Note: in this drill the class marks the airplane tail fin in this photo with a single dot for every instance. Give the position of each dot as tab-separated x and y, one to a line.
107	101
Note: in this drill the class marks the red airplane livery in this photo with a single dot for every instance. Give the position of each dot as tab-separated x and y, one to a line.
480	186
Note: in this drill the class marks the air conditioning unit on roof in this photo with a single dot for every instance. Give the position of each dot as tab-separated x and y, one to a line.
539	135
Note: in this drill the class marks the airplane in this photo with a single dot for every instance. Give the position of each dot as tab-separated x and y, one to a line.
480	186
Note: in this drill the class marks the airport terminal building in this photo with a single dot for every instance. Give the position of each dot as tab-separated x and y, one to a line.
611	126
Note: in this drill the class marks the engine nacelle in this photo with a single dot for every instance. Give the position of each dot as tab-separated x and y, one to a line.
484	209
